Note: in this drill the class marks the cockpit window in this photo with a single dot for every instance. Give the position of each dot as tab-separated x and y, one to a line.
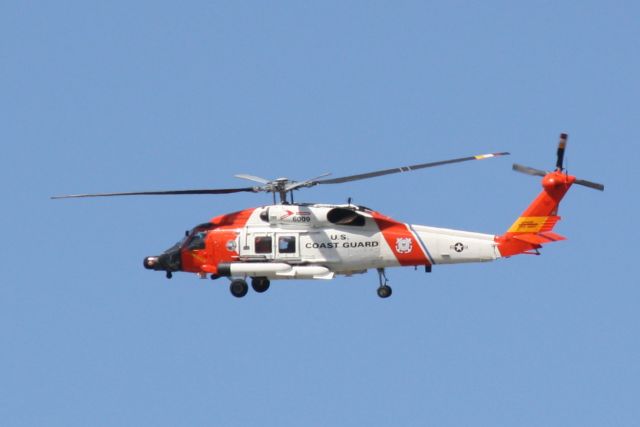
196	240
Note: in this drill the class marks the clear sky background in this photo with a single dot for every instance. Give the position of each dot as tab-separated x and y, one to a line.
126	96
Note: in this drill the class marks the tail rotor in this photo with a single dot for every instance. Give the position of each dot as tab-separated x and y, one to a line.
562	145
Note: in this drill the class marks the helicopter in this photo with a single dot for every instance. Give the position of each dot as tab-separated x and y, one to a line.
289	240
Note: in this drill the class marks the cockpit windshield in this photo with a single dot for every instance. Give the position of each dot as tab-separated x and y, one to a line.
195	239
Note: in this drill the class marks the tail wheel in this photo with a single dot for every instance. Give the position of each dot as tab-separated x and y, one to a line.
238	288
260	284
385	291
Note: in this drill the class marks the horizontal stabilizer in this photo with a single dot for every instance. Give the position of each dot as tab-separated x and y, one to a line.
539	238
553	237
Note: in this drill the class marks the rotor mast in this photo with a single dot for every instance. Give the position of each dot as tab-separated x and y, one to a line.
280	186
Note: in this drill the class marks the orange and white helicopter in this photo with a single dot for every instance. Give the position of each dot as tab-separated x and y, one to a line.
319	241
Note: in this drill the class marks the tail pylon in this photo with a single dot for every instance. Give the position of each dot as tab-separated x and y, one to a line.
534	227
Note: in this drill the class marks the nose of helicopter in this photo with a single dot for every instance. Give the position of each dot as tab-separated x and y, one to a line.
150	262
168	261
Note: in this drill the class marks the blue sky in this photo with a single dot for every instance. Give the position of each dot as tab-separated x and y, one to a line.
125	96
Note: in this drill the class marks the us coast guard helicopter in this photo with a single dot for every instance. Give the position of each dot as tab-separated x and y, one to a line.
319	241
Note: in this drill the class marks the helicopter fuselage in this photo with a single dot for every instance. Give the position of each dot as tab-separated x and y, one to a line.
317	241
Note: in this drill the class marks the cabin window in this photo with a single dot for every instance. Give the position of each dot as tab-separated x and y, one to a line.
287	244
342	216
262	244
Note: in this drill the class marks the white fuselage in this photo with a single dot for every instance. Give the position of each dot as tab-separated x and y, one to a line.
318	241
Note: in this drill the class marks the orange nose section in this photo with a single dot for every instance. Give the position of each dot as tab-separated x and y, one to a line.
193	260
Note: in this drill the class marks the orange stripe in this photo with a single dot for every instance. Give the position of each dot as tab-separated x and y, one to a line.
401	241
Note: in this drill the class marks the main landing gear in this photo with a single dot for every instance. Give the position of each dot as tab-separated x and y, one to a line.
260	284
384	290
239	287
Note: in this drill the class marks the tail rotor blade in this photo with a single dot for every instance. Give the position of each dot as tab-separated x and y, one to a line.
528	170
562	144
590	184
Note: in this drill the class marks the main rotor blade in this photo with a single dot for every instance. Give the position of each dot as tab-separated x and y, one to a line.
308	183
406	169
528	170
590	184
162	193
252	178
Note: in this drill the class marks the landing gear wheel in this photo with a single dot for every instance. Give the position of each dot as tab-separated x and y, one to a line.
385	291
169	275
260	284
238	288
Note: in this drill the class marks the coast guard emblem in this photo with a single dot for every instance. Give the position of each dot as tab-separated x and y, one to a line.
404	245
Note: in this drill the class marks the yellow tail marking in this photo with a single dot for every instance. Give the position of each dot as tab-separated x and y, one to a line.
528	224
